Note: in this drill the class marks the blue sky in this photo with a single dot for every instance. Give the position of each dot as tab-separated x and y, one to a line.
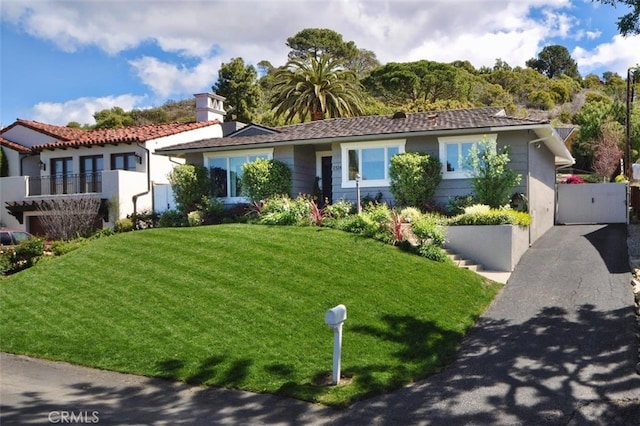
63	60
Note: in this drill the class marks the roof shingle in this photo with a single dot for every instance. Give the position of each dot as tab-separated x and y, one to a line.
475	118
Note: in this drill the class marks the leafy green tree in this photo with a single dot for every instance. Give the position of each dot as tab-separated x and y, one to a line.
592	81
397	83
317	42
143	117
491	179
629	23
239	84
318	88
553	61
414	178
113	118
597	110
191	185
362	63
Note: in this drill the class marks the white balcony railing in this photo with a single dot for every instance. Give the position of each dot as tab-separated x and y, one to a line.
83	183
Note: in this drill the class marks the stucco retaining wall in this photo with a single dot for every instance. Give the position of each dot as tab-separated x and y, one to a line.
495	247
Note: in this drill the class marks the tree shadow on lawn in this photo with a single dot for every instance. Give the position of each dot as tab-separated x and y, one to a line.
554	368
547	370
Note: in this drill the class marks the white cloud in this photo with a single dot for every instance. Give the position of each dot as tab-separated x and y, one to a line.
197	28
82	109
616	56
166	78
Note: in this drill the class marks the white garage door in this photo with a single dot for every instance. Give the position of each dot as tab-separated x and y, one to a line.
592	203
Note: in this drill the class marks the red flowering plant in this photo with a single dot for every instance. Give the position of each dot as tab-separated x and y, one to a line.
574	179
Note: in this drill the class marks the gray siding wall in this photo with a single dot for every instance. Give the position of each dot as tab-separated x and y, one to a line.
302	162
195	158
448	188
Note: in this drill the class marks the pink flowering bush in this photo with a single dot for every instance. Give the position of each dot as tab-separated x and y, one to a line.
574	179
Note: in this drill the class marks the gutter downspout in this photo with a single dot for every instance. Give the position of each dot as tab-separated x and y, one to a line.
134	199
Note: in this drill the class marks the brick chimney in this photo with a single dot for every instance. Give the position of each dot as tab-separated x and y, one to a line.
209	107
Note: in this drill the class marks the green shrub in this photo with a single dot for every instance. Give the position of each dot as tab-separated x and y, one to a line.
22	256
414	178
263	179
61	247
493	217
378	212
214	210
144	219
620	179
282	210
339	210
432	252
195	218
191	185
541	99
172	219
492	180
358	224
104	232
428	230
123	225
456	205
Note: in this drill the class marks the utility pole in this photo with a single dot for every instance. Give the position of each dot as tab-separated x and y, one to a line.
631	74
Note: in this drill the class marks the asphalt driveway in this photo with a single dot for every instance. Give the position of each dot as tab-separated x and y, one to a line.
557	346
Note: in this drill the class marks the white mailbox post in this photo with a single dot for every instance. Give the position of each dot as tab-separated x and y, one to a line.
334	319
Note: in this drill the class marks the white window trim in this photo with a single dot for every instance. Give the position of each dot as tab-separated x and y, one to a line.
443	141
240	153
346	147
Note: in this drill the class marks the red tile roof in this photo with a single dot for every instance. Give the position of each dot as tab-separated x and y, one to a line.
59	132
70	137
14	146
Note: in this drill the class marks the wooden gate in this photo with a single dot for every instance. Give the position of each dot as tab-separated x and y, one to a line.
592	203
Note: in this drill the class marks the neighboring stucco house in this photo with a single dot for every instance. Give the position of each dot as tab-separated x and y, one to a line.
334	151
119	166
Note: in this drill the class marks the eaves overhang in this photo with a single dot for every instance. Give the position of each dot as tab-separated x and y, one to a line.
178	152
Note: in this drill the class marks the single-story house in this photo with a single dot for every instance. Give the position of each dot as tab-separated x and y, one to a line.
334	152
118	166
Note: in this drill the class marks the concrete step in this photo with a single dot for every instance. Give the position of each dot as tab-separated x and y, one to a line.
461	262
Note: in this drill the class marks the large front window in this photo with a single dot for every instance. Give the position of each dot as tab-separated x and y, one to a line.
454	154
226	172
368	162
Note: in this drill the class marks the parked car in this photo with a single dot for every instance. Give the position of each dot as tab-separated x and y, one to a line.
12	237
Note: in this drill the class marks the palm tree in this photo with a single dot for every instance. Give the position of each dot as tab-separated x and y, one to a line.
319	87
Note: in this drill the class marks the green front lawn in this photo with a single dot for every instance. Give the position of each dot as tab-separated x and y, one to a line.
242	306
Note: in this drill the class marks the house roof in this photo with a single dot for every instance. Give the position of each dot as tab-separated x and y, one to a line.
59	132
14	146
354	127
71	138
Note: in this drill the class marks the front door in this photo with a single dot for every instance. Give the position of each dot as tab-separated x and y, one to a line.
327	179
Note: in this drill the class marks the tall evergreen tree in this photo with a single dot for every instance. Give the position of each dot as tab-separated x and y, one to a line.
239	84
